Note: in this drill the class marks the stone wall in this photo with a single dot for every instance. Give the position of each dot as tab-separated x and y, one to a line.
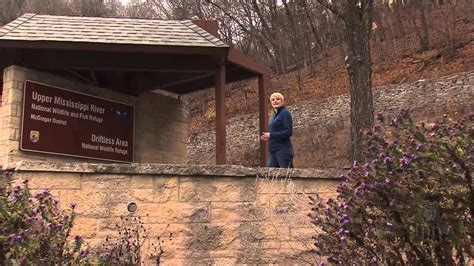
160	121
222	215
322	128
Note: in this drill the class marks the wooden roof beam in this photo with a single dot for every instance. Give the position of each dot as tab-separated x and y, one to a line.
114	47
116	61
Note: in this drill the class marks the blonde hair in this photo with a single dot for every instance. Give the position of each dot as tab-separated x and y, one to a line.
277	94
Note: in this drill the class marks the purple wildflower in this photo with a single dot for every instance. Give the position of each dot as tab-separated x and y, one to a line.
355	165
359	191
73	205
406	160
420	147
394	121
13	198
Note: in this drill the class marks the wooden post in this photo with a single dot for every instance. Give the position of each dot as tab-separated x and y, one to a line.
220	115
263	114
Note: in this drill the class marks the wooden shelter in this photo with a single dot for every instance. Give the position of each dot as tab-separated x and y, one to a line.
136	55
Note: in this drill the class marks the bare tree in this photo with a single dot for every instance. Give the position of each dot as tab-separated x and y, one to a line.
96	8
254	18
10	10
392	25
422	26
296	40
140	9
47	7
448	11
357	18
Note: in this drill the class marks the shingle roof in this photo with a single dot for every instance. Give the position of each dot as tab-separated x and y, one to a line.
32	27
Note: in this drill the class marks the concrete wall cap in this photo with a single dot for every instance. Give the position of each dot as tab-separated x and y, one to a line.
174	170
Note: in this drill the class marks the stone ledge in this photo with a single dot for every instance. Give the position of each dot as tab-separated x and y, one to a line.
174	170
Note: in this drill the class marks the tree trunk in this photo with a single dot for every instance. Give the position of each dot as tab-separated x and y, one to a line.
398	11
425	33
296	41
358	22
394	31
448	11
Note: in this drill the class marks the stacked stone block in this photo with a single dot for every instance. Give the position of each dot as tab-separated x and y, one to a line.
10	113
222	215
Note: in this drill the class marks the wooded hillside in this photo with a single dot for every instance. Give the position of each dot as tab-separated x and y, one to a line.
302	40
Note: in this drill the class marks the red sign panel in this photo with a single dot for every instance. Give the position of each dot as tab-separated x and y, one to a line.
59	121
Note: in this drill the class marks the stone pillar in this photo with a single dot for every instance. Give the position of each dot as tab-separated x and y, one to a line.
10	113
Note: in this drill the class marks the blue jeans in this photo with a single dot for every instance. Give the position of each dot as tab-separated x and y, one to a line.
281	158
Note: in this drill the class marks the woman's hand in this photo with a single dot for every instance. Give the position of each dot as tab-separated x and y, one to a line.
265	136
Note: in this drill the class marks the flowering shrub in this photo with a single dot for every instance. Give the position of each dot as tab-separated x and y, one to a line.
132	246
33	230
411	202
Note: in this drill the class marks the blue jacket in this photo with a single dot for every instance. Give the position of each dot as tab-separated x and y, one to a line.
281	129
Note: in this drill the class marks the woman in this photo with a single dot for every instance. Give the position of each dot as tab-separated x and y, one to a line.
280	131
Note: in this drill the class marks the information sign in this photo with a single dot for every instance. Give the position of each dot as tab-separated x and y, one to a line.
64	122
